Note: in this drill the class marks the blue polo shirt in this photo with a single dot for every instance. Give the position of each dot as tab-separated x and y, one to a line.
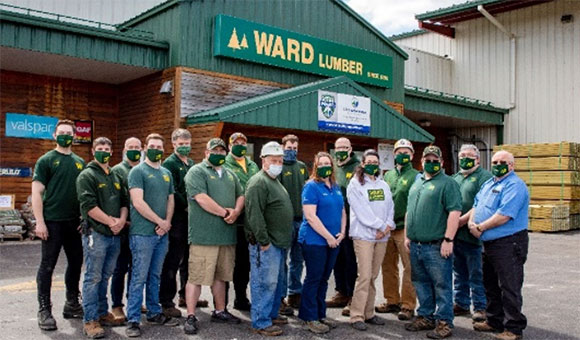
508	197
329	203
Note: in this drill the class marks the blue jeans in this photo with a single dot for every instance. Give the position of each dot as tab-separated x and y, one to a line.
294	270
319	262
432	276
122	269
468	270
148	254
267	277
101	252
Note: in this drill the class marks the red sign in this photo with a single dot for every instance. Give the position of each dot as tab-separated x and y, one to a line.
84	132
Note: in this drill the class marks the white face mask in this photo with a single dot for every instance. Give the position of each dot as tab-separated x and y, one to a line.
274	170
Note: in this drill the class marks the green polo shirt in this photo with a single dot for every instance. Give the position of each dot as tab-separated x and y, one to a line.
97	188
157	185
206	228
469	186
430	202
400	183
58	173
178	171
293	177
344	173
243	175
269	212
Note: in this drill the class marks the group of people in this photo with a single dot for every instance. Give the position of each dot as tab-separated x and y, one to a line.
461	239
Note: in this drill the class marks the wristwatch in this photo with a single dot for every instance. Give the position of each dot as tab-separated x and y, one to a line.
447	239
478	227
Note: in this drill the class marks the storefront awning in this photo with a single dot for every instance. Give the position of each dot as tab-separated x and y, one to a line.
297	108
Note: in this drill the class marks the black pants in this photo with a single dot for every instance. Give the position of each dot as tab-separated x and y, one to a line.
345	268
62	234
503	277
184	272
122	268
173	259
242	266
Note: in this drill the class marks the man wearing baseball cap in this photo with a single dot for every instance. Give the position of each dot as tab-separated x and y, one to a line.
215	200
400	179
433	211
269	214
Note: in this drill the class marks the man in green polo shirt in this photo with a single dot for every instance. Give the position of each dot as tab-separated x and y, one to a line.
216	200
433	211
104	207
467	249
400	179
345	269
244	168
56	210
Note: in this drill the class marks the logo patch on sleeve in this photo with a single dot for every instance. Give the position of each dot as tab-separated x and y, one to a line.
376	195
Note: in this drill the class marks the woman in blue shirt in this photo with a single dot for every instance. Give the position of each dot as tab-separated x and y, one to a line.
320	235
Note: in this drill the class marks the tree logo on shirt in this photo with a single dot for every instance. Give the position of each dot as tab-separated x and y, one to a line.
56	163
404	182
117	186
376	195
348	175
302	171
431	187
288	173
473	179
79	165
102	185
166	178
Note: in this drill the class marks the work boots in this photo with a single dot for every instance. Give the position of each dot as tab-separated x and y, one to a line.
72	307
46	321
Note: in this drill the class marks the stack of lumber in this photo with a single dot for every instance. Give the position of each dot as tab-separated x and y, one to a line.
552	173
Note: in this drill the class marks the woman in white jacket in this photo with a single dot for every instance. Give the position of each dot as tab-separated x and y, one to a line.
371	222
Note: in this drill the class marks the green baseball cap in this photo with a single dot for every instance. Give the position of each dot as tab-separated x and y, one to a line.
432	150
214	143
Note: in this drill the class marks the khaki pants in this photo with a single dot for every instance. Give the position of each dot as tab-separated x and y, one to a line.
395	248
369	256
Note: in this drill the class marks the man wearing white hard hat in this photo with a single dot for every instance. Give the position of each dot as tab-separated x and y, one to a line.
269	216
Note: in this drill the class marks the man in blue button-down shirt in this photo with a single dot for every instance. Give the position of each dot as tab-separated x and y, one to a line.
500	219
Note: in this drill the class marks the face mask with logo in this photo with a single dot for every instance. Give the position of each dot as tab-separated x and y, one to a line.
102	156
371	169
324	171
466	163
64	140
499	170
341	155
184	150
154	155
239	150
216	159
274	170
290	156
432	168
402	159
133	155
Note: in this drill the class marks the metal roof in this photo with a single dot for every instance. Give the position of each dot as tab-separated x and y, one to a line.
409	34
296	108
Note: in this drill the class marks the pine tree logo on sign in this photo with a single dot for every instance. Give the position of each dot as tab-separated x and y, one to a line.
235	44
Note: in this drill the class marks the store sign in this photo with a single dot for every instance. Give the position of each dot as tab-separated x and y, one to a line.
251	41
342	112
30	126
83	132
15	172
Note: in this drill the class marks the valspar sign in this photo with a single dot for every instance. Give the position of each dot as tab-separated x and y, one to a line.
242	39
29	126
342	112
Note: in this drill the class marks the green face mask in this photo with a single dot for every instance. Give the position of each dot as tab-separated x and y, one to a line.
64	140
371	169
324	171
432	168
341	155
402	159
102	156
154	155
466	163
216	160
133	155
239	150
499	170
183	150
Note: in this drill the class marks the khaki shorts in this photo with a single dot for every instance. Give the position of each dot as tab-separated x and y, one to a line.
210	263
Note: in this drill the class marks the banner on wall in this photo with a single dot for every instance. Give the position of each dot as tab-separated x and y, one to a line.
15	172
341	112
30	126
84	132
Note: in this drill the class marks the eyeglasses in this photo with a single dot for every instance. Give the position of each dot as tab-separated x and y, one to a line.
431	161
499	162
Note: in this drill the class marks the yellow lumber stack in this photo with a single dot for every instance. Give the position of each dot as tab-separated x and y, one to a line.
552	173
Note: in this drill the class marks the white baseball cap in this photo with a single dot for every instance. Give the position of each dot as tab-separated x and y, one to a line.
272	149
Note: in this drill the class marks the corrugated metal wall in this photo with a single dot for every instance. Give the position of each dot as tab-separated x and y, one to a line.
547	68
428	70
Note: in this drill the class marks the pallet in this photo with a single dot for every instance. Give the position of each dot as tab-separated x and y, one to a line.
547	163
549	211
567	178
18	236
541	149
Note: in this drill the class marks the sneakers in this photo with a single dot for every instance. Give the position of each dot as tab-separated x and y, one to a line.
133	330
190	326
443	330
359	326
118	313
375	321
484	327
269	331
338	301
172	312
293	300
285	309
109	320
387	308
507	335
224	317
317	327
346	310
242	304
405	314
328	322
478	316
420	324
46	321
73	308
93	330
459	311
280	320
162	319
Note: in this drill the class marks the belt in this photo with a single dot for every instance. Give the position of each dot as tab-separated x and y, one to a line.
429	242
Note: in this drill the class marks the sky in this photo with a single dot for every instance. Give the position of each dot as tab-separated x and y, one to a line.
396	16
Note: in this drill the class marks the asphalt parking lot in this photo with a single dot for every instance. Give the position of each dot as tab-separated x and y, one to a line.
551	301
